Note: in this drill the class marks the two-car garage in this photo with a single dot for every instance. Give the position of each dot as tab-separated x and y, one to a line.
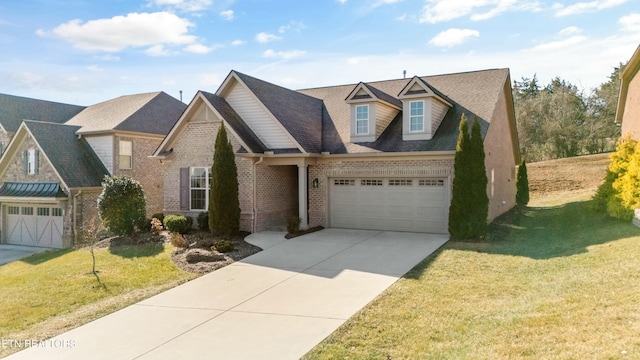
394	204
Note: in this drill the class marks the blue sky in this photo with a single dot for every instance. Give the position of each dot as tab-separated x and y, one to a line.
84	52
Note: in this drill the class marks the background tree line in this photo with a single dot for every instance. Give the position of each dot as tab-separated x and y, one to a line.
559	120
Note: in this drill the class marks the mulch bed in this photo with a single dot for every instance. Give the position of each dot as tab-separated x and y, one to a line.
199	244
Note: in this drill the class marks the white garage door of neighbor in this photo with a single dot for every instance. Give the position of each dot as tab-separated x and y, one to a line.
395	204
34	225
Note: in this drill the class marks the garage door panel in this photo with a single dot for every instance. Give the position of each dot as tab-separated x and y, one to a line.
397	205
34	225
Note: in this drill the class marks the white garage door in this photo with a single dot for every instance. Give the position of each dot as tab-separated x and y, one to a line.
395	204
34	225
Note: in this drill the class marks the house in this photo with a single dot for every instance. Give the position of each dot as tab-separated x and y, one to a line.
628	110
51	173
376	155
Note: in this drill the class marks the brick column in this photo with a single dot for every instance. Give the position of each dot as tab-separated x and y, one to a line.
302	196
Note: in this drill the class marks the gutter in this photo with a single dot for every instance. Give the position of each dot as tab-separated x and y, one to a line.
255	193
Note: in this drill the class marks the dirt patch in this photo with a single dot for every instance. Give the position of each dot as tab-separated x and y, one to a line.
567	174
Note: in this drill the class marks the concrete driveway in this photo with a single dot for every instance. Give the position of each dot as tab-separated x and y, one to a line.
277	304
9	253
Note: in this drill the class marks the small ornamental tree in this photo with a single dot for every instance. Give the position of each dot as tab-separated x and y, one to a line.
522	185
469	203
121	204
224	206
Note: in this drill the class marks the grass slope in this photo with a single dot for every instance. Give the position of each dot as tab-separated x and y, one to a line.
47	293
554	282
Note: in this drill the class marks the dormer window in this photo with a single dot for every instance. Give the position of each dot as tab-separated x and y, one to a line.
417	116
362	119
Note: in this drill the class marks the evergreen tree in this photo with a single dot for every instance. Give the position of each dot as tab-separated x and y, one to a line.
224	206
469	204
522	185
121	204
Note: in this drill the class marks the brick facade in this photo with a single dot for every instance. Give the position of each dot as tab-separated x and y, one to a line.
276	196
145	170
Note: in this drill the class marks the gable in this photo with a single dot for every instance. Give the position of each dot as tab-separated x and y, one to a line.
258	118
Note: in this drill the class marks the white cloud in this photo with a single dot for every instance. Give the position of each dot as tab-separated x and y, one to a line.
570	30
94	68
285	55
342	1
107	57
121	32
296	26
452	37
157	50
184	5
227	14
444	10
238	42
583	7
198	49
561	44
264	37
630	22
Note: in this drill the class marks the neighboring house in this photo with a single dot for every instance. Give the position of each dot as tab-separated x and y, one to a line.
14	109
51	173
375	155
628	110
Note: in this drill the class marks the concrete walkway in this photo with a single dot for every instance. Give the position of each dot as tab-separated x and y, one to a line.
277	304
9	253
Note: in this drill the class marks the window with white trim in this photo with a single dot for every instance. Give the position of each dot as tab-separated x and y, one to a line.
344	182
126	155
31	161
371	182
199	178
56	212
362	119
43	211
430	182
14	210
27	211
416	119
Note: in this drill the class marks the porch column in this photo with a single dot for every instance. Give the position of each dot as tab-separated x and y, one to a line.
302	196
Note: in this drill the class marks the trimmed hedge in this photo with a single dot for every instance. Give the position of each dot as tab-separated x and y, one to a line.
177	223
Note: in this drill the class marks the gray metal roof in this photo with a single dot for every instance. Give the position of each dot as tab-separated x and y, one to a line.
45	190
14	109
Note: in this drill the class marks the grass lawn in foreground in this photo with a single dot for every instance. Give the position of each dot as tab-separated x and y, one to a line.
48	293
554	282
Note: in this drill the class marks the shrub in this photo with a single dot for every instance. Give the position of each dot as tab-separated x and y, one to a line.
293	224
177	223
222	246
159	216
224	205
177	240
156	226
522	185
203	221
144	225
121	204
619	195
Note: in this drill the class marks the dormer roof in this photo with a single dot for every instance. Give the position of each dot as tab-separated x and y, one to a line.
418	88
365	92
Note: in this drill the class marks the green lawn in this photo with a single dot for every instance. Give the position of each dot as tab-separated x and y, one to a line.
50	292
555	282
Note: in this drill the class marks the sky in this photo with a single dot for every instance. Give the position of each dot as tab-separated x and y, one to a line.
86	51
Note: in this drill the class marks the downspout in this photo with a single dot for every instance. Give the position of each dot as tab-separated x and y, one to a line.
75	208
255	193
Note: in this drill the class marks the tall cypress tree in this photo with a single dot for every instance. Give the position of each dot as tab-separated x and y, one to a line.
522	185
469	203
458	208
224	205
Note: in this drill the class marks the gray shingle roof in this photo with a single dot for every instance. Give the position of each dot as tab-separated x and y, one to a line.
299	113
473	93
73	158
234	120
14	109
153	113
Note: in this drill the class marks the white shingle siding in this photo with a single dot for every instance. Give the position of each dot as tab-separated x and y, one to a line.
103	147
384	115
438	112
251	111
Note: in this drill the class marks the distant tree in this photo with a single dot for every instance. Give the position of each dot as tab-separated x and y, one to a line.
121	204
224	205
469	204
522	185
